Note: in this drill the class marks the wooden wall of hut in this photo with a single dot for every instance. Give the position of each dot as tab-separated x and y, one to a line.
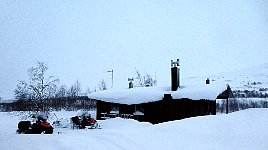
102	107
175	109
164	110
126	109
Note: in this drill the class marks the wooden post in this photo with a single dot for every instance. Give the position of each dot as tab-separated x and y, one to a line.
227	94
227	105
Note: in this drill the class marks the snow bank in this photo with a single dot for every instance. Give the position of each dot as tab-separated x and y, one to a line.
245	130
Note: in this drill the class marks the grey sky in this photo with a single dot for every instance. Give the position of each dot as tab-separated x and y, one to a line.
83	39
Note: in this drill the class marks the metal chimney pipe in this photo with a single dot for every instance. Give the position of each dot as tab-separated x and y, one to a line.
175	75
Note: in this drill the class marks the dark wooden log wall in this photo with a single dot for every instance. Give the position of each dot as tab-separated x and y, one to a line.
164	110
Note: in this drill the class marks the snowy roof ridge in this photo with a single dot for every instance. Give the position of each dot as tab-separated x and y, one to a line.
131	96
140	95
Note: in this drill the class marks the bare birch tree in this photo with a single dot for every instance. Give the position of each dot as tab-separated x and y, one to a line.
75	89
102	85
39	87
144	80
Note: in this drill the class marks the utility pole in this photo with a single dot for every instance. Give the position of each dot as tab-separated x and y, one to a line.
112	71
227	99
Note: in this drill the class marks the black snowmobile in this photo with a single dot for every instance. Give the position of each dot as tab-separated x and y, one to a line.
84	121
38	127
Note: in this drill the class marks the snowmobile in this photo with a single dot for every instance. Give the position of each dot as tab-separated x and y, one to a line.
38	127
84	121
90	123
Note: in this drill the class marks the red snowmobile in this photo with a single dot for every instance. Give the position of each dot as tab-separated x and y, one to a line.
40	126
83	122
90	122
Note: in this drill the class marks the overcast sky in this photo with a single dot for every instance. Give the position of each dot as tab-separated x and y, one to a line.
84	39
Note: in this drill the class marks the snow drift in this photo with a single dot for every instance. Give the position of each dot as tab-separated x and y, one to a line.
245	130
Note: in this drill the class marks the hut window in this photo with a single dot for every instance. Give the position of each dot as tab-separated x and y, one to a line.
139	108
114	108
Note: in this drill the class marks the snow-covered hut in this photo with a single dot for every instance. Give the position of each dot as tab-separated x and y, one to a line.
160	104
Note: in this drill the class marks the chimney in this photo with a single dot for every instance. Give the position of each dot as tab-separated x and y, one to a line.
207	81
175	75
130	84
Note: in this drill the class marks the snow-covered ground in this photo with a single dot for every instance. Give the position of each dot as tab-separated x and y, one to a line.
246	129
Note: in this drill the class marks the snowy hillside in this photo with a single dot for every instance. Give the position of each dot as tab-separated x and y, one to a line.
244	82
251	79
249	86
245	130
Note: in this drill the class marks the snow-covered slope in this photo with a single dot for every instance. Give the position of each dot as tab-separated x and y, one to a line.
250	79
245	130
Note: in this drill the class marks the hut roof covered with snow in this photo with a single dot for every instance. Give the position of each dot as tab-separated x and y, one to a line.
151	94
